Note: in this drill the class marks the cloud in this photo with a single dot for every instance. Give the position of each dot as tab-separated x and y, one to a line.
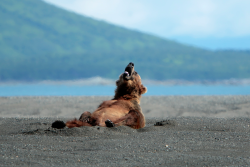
196	18
120	12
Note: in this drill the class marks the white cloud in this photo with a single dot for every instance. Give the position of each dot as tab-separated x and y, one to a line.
119	12
197	18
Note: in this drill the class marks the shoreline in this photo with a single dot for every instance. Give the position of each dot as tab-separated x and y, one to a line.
106	81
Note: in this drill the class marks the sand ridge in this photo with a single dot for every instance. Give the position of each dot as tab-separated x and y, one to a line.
192	141
185	132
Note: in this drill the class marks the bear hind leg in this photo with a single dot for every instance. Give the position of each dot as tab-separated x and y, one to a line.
85	116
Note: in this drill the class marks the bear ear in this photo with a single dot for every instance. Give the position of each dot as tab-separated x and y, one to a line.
117	82
143	89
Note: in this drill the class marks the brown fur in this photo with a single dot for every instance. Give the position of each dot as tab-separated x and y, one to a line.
123	109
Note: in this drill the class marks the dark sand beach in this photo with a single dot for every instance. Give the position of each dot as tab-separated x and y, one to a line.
180	131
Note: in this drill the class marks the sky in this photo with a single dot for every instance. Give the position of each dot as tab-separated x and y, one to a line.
210	24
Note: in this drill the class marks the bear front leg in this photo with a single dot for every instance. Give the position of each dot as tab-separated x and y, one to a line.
133	119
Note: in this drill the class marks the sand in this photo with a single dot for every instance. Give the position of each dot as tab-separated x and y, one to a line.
180	131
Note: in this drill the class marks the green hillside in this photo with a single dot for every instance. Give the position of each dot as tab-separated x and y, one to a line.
39	41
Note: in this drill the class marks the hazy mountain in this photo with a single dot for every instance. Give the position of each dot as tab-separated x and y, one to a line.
39	41
217	43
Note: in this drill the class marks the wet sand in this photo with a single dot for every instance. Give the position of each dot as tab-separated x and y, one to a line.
180	131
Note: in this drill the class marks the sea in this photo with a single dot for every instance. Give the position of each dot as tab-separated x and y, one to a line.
108	90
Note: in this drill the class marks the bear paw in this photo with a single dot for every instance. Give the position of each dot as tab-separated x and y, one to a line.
109	123
58	124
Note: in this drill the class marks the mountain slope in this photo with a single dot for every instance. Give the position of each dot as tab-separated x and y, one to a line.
39	41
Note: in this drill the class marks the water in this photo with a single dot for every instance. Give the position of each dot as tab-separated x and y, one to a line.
65	90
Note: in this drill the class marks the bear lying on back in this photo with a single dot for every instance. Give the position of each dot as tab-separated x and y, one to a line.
123	109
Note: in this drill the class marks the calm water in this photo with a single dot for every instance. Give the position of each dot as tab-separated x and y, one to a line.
63	90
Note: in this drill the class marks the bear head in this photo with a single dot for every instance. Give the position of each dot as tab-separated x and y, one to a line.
129	84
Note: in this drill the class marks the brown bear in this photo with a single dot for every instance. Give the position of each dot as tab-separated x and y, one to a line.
123	109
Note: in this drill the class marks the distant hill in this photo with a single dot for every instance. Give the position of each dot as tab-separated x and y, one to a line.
39	41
